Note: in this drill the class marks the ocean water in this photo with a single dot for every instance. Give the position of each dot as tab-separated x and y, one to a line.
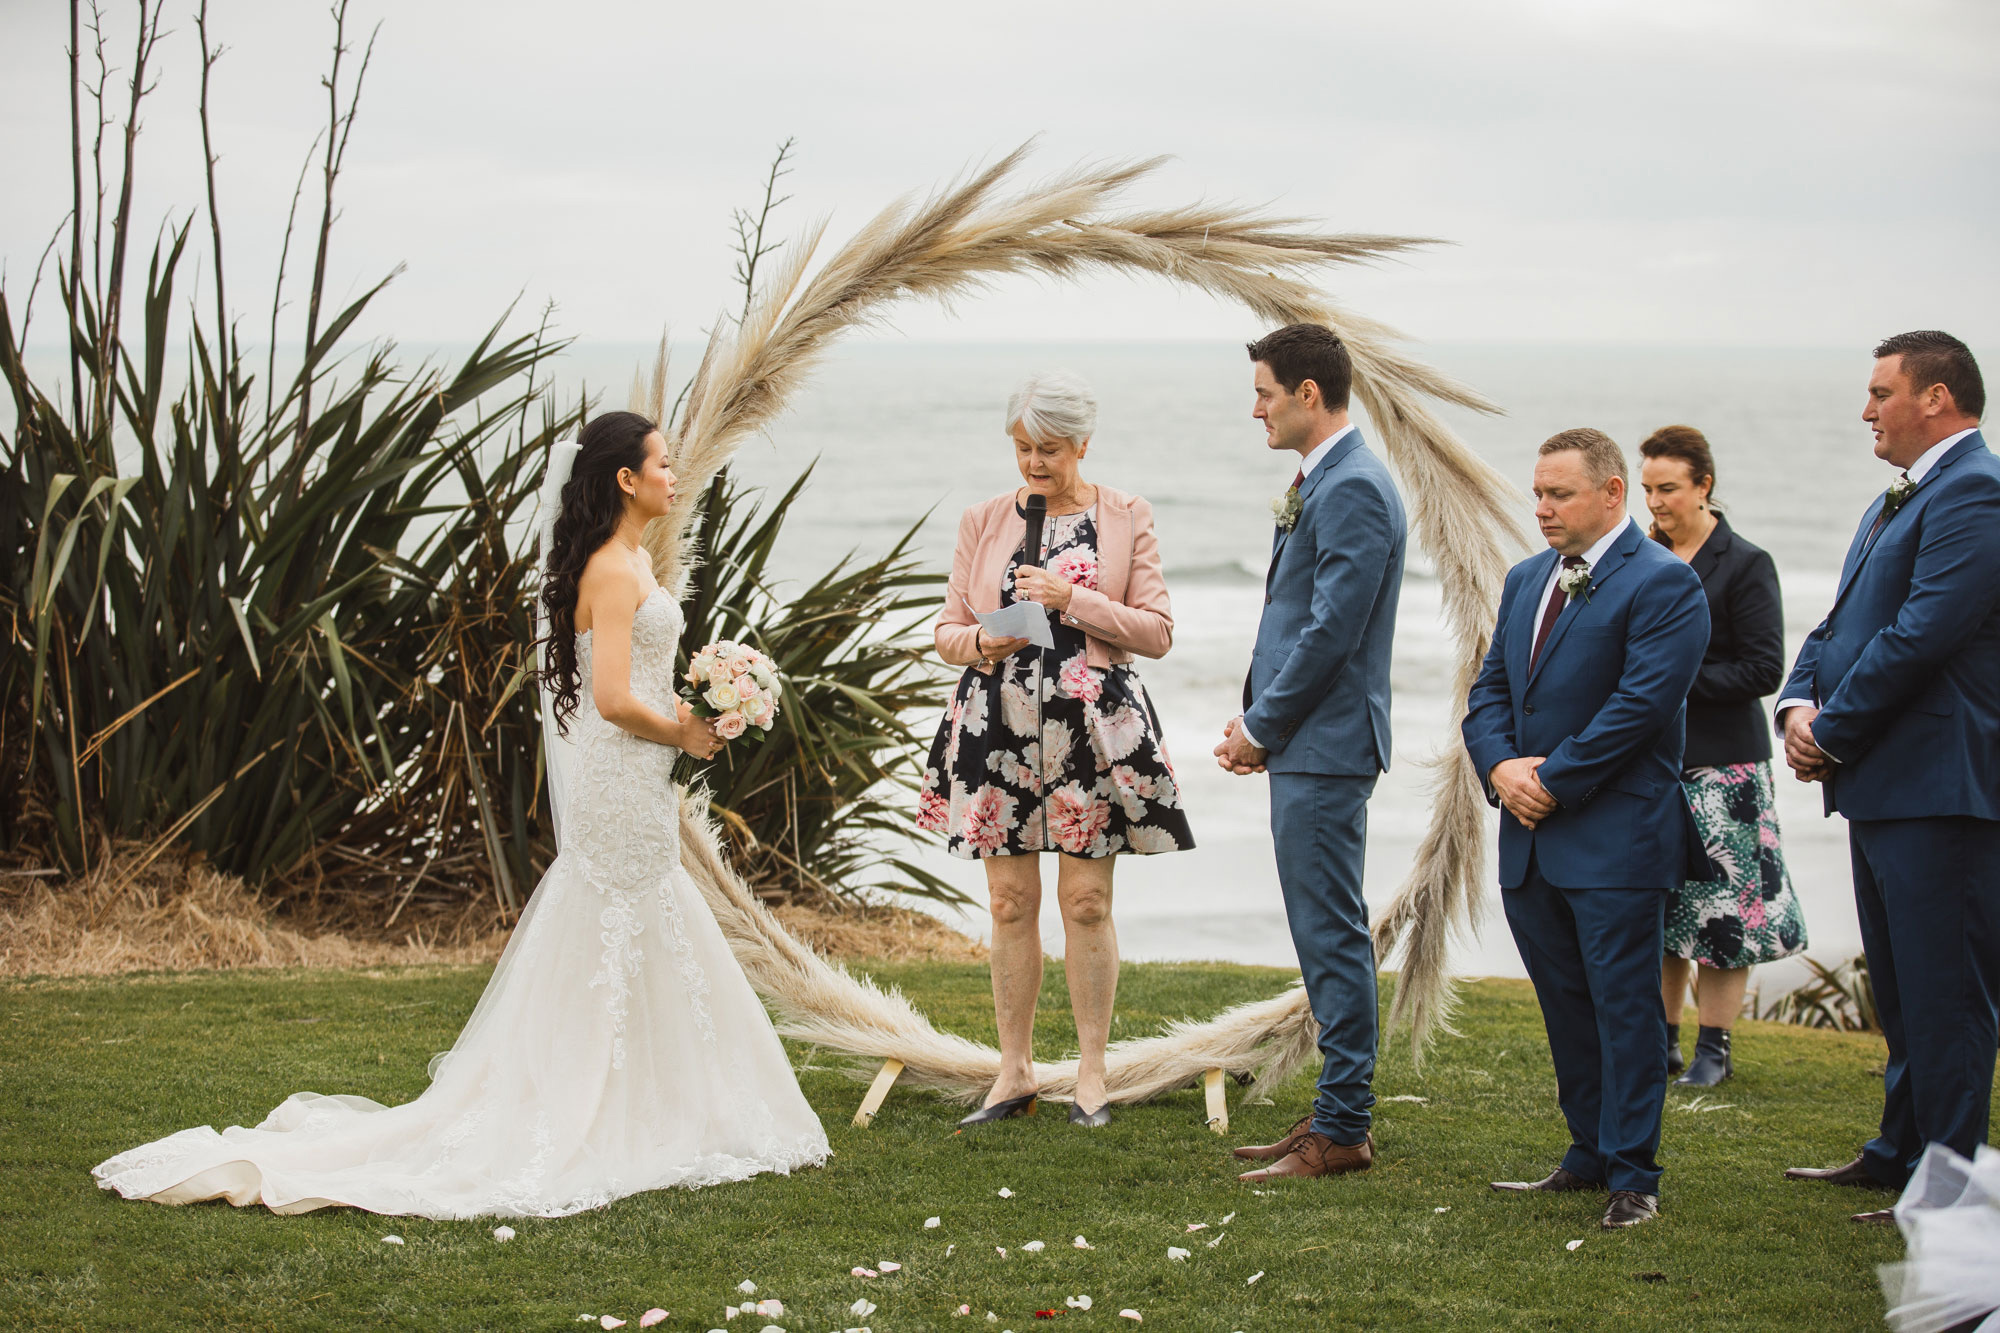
903	430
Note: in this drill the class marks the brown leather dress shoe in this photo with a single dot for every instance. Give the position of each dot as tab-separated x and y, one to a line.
1271	1152
1317	1155
1854	1174
1561	1181
1629	1208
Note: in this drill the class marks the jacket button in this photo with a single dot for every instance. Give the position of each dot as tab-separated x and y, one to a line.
1267	599
1527	708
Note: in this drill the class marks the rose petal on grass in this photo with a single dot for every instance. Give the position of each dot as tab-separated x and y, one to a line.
1196	1226
862	1308
1078	1302
747	1287
1132	1315
1227	1218
888	1267
949	1248
1000	1250
653	1316
610	1321
933	1223
1406	1097
1251	1280
503	1234
771	1309
1571	1245
1082	1244
1445	1209
1218	1239
965	1309
1006	1193
772	1328
992	1318
392	1240
862	1272
1033	1247
1176	1253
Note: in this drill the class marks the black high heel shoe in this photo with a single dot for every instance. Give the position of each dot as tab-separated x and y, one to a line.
1007	1110
1712	1062
1097	1119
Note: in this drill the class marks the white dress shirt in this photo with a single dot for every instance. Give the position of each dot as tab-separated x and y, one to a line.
1916	473
1597	552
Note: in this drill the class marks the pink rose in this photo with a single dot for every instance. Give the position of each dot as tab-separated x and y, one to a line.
933	811
730	725
1078	681
1076	567
988	816
1076	818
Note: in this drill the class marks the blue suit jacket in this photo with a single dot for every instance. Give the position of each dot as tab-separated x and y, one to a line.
1606	705
1906	667
1318	690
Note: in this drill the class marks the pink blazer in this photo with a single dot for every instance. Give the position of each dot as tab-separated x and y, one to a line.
1126	614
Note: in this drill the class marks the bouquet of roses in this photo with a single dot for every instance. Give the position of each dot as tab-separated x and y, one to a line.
737	686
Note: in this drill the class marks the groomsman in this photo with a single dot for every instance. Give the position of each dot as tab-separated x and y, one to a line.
1894	706
1577	723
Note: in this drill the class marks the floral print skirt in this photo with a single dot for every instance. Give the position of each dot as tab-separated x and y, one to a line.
1750	916
1107	784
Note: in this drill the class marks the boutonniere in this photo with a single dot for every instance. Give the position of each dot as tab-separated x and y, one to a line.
1285	509
1900	490
1575	582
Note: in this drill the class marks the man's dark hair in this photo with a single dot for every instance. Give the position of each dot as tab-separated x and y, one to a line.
1301	352
1931	357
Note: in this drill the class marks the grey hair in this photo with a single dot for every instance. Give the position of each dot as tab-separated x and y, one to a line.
1054	405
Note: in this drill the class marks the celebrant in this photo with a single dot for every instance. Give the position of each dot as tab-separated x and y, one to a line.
1053	748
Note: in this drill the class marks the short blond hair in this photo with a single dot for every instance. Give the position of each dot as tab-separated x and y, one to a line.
1602	458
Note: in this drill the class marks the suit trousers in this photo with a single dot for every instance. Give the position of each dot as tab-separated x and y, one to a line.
1594	957
1928	891
1319	827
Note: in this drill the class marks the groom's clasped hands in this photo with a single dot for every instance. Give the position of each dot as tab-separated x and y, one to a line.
1518	784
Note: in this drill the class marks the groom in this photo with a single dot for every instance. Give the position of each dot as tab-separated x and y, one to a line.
1316	717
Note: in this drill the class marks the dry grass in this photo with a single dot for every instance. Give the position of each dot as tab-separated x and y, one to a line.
179	914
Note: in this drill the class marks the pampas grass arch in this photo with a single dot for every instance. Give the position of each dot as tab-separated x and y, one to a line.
946	246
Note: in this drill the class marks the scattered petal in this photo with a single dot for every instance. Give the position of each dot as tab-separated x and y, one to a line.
1132	1315
652	1317
965	1309
585	1319
1218	1239
1248	1281
1445	1209
1047	1314
392	1240
611	1321
729	1312
503	1234
1176	1253
1078	1302
1264	1194
1227	1218
771	1309
1000	1250
747	1287
1033	1247
949	1248
933	1223
1006	1193
862	1272
1197	1226
1406	1097
772	1328
992	1318
1571	1245
862	1308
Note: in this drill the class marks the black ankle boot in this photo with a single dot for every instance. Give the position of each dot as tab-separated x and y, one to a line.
1674	1062
1711	1059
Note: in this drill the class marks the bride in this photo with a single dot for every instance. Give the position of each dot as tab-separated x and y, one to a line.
618	1047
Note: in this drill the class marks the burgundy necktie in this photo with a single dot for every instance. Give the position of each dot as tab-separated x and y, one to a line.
1558	599
1299	480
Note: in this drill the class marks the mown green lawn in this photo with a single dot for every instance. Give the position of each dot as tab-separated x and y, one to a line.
90	1068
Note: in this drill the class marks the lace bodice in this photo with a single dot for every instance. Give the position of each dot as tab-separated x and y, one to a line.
656	636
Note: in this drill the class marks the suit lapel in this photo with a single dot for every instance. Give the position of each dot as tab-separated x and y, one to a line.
1527	616
1866	538
1348	444
1614	559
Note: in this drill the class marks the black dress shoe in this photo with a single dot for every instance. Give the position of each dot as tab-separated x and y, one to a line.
1712	1062
1097	1119
1854	1174
1007	1110
1674	1061
1561	1181
1629	1208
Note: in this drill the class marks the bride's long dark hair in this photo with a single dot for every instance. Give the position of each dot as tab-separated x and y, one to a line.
593	504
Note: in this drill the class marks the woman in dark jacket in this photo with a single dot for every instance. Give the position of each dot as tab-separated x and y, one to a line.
1750	916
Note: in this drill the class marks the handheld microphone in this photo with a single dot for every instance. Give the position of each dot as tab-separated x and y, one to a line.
1038	509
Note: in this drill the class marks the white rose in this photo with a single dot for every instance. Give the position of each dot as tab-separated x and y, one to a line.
722	696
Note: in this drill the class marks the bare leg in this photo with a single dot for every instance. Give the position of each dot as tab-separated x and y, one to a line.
1090	961
1674	973
1014	884
1718	995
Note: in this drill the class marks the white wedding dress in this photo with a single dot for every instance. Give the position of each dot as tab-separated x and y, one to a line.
618	1047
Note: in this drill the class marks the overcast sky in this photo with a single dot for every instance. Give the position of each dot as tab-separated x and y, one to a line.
1817	173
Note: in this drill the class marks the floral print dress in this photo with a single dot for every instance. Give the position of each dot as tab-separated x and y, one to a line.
1751	915
1106	785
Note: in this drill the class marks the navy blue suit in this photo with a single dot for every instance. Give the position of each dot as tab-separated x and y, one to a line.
1317	696
1585	891
1906	672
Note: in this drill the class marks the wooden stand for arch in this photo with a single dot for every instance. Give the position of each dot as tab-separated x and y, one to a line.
885	1078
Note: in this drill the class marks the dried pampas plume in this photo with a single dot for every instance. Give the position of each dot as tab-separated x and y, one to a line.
947	246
